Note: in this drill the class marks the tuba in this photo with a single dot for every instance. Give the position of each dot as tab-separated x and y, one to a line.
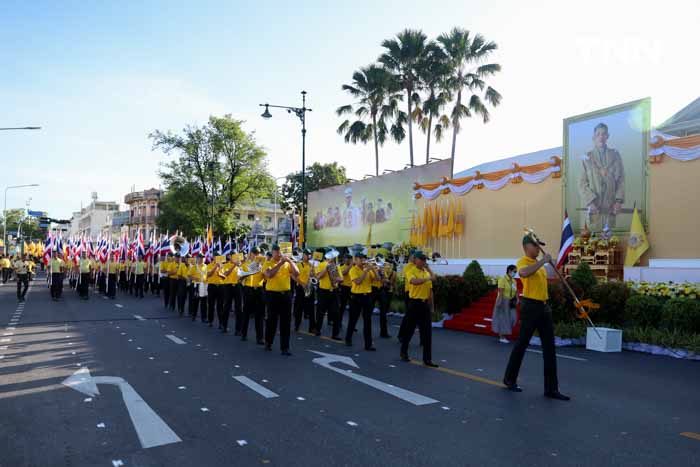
333	274
177	244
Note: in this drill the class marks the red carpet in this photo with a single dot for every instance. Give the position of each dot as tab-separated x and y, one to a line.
477	317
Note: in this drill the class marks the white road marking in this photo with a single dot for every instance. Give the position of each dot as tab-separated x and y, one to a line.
561	356
151	358
327	359
11	328
150	428
139	348
5	340
166	371
117	463
351	423
175	339
215	354
140	318
236	366
204	409
4	347
9	334
87	399
241	442
119	305
262	390
100	425
182	387
300	398
444	407
123	334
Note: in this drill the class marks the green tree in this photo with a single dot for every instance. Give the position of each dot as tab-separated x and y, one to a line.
434	73
404	56
30	229
377	95
318	176
216	166
466	56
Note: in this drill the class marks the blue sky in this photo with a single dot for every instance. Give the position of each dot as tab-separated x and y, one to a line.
99	76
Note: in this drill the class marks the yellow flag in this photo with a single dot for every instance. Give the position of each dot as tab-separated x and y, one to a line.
450	230
301	228
210	236
459	218
412	232
436	221
427	222
637	243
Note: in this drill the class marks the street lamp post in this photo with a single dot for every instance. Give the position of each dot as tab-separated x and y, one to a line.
4	212
301	113
275	209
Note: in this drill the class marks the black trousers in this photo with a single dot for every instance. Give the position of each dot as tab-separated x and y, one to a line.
173	293
165	284
56	285
232	303
535	315
344	295
102	282
253	305
181	295
384	301
226	293
139	285
111	285
22	285
84	285
279	308
303	308
418	314
122	281
327	304
155	285
360	304
197	303
6	274
214	302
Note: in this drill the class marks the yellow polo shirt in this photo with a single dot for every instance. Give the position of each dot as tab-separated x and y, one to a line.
422	291
365	286
231	271
140	267
56	265
181	272
304	271
406	270
534	286
280	281
254	280
197	273
507	284
325	282
214	279
85	265
113	268
345	272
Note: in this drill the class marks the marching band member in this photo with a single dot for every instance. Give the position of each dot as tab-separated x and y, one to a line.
278	271
122	275
85	266
172	274
303	305
345	287
154	268
232	294
420	284
112	279
327	298
215	302
180	274
406	270
252	297
361	275
197	274
385	294
56	266
139	275
165	280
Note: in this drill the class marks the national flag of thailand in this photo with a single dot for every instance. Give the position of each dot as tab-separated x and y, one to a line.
245	247
567	241
227	247
197	247
48	247
217	247
140	249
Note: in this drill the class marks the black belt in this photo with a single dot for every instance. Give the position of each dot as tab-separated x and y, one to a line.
421	300
534	301
281	292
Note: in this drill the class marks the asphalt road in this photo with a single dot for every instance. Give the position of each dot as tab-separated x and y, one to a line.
191	410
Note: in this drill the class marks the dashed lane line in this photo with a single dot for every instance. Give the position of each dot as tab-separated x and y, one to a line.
262	390
175	339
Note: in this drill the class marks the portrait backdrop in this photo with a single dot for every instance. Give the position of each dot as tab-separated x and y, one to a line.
605	169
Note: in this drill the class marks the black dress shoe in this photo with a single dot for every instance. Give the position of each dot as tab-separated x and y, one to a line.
430	364
557	395
286	353
370	349
385	336
337	338
404	357
512	386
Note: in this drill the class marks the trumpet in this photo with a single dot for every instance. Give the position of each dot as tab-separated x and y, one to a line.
291	256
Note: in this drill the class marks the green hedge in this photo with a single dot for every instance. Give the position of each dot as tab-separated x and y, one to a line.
643	311
681	315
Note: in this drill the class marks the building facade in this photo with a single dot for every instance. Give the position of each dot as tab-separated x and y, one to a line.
90	221
143	211
268	222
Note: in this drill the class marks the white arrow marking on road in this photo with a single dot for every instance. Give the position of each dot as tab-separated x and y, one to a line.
175	339
5	340
326	359
140	318
150	428
262	390
119	305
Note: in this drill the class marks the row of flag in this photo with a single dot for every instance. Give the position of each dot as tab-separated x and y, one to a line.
437	220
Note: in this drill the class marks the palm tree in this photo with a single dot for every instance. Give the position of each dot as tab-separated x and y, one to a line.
466	55
434	73
377	95
403	57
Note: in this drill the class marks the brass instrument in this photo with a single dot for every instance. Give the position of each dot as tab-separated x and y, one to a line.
313	281
178	244
253	268
333	275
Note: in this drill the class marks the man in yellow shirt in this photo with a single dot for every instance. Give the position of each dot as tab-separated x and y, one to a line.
410	264
122	275
361	275
345	287
6	268
420	294
278	272
232	294
197	274
140	275
252	296
215	296
21	267
303	305
56	266
112	277
535	314
84	268
180	275
327	297
165	279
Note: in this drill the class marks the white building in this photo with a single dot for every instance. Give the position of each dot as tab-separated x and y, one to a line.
91	220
